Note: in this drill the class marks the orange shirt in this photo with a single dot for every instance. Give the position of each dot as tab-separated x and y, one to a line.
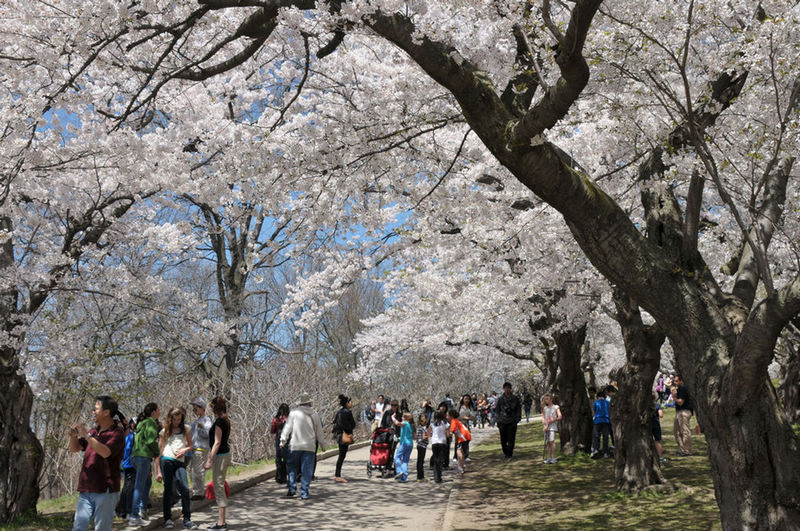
461	431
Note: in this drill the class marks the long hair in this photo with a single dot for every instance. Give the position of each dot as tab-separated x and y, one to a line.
168	423
469	401
283	410
408	417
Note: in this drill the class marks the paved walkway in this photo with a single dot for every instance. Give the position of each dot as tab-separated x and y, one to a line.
362	503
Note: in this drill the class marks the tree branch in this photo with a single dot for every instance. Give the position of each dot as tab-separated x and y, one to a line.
574	75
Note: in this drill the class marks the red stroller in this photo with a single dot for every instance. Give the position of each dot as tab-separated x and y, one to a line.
381	450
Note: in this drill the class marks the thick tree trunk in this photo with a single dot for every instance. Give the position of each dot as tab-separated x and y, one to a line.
636	463
576	424
21	453
789	384
754	459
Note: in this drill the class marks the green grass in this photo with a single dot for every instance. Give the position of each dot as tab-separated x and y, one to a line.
578	492
39	521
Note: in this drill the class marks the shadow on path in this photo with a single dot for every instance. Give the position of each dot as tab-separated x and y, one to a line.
362	503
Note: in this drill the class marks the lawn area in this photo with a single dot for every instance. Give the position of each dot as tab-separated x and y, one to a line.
578	492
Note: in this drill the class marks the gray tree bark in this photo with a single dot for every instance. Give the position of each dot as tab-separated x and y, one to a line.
21	453
636	463
575	432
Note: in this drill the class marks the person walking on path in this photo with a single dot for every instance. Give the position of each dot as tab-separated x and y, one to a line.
219	458
527	403
492	401
304	429
509	412
392	417
423	435
551	415
99	479
128	472
175	441
380	406
343	426
462	436
483	412
200	448
145	450
278	422
466	418
404	446
439	436
683	416
601	425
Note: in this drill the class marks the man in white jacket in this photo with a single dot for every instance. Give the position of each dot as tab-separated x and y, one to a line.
302	432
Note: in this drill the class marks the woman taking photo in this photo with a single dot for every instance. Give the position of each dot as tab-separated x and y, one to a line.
343	426
219	458
145	449
174	441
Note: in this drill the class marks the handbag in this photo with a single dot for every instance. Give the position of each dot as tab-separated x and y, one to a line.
210	491
347	438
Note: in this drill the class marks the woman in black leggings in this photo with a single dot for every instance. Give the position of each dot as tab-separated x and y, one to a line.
343	423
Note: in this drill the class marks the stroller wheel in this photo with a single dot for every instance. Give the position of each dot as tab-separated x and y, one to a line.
369	471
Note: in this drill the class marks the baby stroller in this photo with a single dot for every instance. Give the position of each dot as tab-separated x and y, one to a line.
381	450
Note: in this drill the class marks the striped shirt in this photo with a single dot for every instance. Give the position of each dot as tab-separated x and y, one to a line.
422	442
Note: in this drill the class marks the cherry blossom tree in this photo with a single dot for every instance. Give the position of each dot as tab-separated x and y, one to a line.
691	106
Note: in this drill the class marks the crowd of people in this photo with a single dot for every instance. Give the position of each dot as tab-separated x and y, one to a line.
669	391
178	453
141	449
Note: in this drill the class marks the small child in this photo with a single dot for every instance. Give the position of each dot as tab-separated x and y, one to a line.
439	435
462	435
551	414
602	425
404	447
423	434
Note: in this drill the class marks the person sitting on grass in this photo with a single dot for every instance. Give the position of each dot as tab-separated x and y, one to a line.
551	414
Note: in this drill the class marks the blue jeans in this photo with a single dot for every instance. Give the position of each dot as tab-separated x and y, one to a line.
604	429
175	472
141	487
98	504
305	462
401	457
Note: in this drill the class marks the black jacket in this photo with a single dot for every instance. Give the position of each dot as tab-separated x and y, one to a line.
387	420
508	409
344	421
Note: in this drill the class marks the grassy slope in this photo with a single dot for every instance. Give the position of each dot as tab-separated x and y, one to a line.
578	493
